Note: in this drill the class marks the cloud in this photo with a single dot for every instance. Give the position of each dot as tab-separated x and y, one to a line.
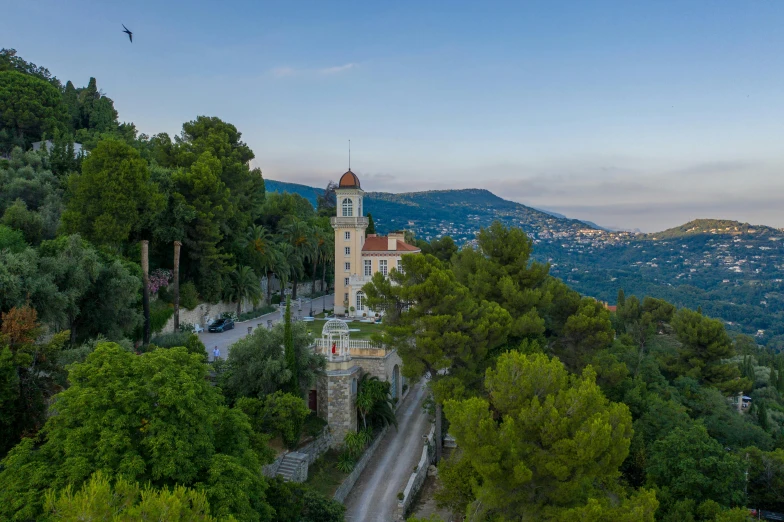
337	69
281	72
284	72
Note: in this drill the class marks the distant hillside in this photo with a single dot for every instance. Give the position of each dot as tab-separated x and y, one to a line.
712	226
309	193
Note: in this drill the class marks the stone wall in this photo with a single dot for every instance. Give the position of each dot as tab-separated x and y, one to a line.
303	289
300	463
318	446
417	478
207	311
348	483
270	470
383	368
341	402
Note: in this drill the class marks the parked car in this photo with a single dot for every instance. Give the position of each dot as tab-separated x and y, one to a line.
221	325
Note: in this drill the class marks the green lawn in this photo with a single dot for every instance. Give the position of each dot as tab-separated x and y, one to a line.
323	475
366	330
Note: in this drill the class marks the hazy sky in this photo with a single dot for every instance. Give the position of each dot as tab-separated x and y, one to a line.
639	114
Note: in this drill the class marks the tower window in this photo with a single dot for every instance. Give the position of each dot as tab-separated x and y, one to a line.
382	266
345	281
348	251
348	208
347	236
368	267
348	267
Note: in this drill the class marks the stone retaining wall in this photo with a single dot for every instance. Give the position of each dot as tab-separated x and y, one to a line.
348	484
318	446
270	470
417	478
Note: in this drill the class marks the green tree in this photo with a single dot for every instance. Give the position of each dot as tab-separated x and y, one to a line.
148	418
113	197
586	332
30	223
500	270
689	464
301	237
443	248
243	284
124	501
762	416
279	413
765	479
371	228
29	108
256	366
28	372
705	347
546	445
374	401
290	353
437	326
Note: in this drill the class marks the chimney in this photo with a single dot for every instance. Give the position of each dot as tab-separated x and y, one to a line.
393	238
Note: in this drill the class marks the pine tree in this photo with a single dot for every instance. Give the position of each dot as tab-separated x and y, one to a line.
291	355
772	378
371	228
621	299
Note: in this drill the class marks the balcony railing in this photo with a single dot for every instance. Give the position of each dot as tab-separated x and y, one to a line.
339	221
356	348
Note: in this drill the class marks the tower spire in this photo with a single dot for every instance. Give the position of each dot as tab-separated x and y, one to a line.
349	154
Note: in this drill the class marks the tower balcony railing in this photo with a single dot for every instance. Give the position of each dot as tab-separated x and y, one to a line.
339	221
355	348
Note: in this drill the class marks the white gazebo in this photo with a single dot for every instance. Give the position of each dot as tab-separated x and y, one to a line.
335	340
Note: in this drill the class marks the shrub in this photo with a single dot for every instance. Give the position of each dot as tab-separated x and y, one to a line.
189	297
189	340
230	315
160	313
400	496
313	424
187	327
345	463
257	312
275	299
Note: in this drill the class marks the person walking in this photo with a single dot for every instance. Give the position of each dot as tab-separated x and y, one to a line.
216	353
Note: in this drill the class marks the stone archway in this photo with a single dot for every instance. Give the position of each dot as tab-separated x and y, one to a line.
395	388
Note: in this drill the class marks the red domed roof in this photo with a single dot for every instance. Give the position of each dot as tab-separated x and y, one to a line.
349	180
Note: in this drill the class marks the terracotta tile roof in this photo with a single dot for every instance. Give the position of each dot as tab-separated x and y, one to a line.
380	244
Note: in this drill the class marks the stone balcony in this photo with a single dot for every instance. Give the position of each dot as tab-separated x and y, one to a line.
349	222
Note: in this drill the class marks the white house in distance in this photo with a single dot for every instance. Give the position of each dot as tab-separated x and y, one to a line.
357	256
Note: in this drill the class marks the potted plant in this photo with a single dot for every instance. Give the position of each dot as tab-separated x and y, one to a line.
352	310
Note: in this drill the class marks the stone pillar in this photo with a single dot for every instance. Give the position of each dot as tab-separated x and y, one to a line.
337	399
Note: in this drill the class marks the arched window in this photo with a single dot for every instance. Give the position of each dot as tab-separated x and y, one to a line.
360	301
359	207
348	208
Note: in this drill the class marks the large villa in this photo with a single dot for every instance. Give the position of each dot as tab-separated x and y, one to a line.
358	256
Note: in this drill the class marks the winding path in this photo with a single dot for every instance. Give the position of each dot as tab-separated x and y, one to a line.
374	497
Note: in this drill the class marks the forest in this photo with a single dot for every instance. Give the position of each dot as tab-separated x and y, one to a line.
561	409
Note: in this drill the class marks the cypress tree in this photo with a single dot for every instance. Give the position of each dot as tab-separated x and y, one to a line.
780	382
371	228
621	299
288	347
762	416
772	378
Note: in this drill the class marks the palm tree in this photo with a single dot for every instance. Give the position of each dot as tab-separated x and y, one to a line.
262	248
278	266
300	236
243	284
319	252
374	400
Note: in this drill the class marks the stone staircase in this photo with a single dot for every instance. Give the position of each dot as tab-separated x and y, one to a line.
293	467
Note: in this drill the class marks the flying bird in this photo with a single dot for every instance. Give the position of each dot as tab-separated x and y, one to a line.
129	33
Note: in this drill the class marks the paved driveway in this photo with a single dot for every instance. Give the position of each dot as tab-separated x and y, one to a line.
374	497
224	340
